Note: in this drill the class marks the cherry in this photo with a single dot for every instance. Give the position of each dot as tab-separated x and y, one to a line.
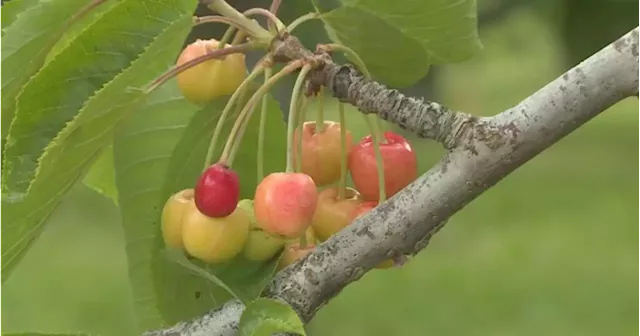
172	214
214	240
399	162
217	191
292	253
321	151
310	237
260	245
362	209
210	79
333	214
284	203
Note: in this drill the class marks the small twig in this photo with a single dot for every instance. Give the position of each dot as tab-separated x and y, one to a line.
273	19
275	6
198	20
252	27
302	19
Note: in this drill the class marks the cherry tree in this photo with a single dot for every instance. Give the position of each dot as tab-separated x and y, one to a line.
264	222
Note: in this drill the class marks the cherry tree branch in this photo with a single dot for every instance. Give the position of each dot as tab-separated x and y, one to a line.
427	119
482	151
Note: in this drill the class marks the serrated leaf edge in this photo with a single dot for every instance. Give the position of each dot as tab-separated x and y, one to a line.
70	125
55	39
4	30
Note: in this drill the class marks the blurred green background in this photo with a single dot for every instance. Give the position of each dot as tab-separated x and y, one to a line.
551	250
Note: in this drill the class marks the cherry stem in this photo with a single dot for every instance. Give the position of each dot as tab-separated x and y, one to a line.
379	128
320	118
240	35
275	5
302	116
303	240
262	130
229	32
342	186
273	19
226	37
379	162
251	27
361	65
211	54
237	139
293	108
227	108
198	20
376	128
245	115
302	19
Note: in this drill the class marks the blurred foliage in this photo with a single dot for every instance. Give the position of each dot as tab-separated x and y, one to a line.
590	25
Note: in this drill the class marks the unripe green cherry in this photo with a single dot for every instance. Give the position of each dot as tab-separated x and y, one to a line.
260	245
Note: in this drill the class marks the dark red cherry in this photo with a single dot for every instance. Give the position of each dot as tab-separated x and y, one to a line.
217	192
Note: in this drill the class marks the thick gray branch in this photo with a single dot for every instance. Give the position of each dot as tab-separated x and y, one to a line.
222	321
487	149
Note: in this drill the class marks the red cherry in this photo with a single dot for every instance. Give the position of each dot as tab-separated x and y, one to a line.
218	191
399	162
284	203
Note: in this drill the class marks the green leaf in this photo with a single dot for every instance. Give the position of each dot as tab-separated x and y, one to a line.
241	278
101	177
53	97
265	317
31	30
12	9
74	30
399	40
142	149
78	145
159	151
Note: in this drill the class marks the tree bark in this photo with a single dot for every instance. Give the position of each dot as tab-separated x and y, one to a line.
481	151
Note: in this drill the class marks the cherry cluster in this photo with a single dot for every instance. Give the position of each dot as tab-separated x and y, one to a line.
292	210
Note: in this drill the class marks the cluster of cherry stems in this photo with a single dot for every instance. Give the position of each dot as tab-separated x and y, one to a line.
293	210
